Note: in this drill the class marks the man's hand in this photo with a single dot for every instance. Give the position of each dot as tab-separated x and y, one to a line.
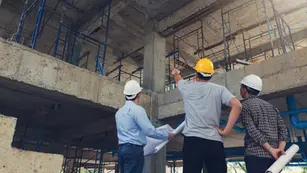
175	71
276	153
221	131
171	136
282	145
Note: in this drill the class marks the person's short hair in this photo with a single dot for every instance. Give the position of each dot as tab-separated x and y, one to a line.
200	76
251	90
131	99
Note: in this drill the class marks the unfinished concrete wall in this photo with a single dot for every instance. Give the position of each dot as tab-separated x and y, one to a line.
28	66
279	74
18	161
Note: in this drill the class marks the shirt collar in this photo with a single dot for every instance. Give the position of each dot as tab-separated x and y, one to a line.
251	97
129	102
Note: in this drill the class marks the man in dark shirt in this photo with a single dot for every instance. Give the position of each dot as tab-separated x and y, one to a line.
265	130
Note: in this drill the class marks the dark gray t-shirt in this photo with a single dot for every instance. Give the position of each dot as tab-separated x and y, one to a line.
203	106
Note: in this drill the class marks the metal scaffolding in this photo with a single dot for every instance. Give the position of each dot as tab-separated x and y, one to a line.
26	11
64	46
69	37
277	29
120	70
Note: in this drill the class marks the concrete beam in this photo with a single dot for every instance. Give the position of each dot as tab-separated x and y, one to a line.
188	15
281	76
95	19
57	78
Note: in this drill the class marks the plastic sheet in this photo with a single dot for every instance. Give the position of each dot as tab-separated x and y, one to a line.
283	160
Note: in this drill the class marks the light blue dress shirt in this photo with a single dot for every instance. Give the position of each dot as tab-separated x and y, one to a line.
133	125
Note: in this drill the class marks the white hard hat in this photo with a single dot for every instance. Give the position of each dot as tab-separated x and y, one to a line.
253	81
132	88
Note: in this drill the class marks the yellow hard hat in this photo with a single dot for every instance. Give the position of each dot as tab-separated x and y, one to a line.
205	66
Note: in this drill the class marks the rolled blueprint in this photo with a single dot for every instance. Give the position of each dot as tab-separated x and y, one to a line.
283	160
176	131
152	143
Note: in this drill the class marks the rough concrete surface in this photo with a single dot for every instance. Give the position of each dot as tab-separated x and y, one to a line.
184	13
278	74
18	161
40	70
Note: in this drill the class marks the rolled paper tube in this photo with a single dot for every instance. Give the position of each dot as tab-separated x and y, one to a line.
178	130
283	160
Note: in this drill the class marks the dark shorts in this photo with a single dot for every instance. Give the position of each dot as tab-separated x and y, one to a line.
198	151
130	158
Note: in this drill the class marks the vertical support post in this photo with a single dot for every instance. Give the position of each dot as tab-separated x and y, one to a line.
141	77
71	55
290	34
106	34
96	158
21	21
120	68
60	30
281	37
57	40
226	45
100	162
169	71
269	26
244	44
38	22
65	161
174	166
291	104
202	38
154	80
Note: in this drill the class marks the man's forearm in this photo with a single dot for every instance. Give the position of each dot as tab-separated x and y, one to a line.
267	146
233	117
282	145
177	78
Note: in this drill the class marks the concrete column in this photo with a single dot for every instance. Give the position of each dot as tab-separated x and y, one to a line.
154	59
154	80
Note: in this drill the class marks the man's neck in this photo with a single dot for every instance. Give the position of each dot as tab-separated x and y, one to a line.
136	101
200	80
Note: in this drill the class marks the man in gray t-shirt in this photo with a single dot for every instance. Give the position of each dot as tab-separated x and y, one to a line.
203	106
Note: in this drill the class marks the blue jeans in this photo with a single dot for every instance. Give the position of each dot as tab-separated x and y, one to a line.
130	158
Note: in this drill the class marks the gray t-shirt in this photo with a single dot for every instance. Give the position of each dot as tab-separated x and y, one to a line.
203	106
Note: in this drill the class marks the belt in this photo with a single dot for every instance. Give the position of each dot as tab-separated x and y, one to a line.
129	144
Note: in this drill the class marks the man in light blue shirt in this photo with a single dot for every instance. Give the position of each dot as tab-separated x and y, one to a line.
133	126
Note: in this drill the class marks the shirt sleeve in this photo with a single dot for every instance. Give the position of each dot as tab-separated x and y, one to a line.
282	130
146	126
182	86
250	127
226	96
